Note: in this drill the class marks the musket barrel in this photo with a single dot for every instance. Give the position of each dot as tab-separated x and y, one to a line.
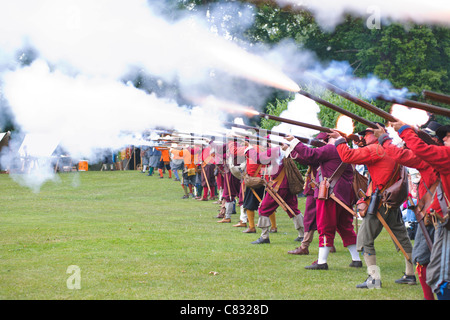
339	109
415	104
379	112
312	142
439	97
296	123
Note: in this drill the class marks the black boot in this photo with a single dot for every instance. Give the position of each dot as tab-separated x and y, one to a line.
261	240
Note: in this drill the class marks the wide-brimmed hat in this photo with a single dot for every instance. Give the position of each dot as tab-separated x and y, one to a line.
363	133
431	128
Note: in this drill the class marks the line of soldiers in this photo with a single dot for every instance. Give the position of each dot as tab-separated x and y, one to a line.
258	178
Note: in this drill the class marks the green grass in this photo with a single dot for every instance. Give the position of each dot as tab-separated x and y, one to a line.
133	237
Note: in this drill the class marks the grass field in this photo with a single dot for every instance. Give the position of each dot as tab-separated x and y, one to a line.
132	237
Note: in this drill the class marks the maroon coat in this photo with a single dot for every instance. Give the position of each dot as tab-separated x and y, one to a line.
328	159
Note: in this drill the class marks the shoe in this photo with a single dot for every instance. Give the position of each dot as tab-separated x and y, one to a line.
299	251
411	280
212	198
300	239
370	283
176	179
261	240
317	266
240	224
355	264
249	230
185	197
202	199
224	220
274	230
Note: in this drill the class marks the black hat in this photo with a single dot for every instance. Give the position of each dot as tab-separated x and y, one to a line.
441	132
363	133
432	127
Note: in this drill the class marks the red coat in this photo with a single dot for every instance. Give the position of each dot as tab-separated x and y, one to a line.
409	159
379	164
437	156
251	156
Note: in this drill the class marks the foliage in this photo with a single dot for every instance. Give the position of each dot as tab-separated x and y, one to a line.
412	56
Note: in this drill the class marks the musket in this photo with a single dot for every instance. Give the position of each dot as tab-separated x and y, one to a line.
255	139
312	142
339	109
295	123
415	104
439	97
307	125
379	112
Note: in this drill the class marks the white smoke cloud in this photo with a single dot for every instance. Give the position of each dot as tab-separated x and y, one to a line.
329	13
86	112
73	90
302	109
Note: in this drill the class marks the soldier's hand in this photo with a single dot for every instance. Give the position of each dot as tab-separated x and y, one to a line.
334	134
289	138
397	125
378	132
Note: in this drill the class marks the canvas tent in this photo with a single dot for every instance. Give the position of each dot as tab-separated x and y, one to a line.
37	148
4	139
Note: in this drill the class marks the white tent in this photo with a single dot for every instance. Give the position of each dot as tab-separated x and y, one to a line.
38	145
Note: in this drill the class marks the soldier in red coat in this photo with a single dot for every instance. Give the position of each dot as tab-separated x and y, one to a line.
383	171
438	156
428	176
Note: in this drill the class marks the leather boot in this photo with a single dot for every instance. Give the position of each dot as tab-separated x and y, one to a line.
240	224
300	251
221	214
